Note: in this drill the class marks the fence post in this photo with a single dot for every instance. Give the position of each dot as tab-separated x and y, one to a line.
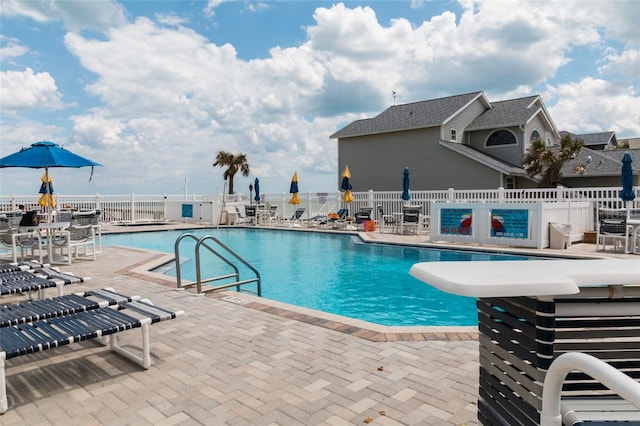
371	198
309	205
501	194
284	205
164	206
451	195
559	193
133	207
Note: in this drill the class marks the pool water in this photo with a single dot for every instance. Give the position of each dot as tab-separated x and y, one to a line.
333	273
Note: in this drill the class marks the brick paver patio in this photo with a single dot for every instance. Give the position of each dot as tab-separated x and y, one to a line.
226	363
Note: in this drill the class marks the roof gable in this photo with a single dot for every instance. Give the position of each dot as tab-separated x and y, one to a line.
512	112
415	115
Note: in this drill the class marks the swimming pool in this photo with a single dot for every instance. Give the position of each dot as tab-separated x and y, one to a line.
329	272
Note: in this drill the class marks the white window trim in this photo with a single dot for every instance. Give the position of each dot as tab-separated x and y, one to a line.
453	135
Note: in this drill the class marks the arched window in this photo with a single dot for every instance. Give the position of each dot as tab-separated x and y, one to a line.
501	137
534	136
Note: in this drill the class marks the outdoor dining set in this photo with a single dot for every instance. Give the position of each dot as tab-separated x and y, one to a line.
69	235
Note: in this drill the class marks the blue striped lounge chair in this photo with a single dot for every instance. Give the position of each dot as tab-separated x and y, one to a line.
103	323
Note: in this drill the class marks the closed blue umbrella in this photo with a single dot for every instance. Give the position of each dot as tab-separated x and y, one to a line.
293	189
627	193
256	186
406	195
46	189
346	185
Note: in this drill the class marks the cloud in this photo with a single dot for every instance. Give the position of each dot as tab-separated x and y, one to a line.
165	99
595	105
24	90
11	48
75	15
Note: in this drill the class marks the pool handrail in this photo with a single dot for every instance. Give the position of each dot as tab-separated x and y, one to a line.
201	241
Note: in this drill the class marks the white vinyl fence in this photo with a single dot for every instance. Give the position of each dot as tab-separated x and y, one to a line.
132	208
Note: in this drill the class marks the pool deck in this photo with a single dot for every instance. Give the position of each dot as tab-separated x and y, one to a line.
245	361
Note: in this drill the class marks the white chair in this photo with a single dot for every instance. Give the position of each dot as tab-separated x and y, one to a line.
386	221
81	234
557	410
12	237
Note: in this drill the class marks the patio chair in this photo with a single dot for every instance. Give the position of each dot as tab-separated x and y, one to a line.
235	216
339	218
363	214
296	219
273	213
23	241
411	218
81	234
250	211
386	221
612	227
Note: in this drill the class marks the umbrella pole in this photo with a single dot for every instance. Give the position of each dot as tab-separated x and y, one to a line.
49	217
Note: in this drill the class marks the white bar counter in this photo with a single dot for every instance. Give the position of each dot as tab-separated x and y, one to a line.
532	311
526	277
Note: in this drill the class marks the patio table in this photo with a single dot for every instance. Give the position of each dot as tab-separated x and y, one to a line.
50	230
529	312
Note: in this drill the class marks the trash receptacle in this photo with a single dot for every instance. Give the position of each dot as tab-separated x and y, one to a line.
559	235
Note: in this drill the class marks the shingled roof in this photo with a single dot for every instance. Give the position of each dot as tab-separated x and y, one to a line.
417	115
591	139
601	163
512	112
484	158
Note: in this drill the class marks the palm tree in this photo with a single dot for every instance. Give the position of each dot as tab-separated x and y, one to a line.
547	161
233	163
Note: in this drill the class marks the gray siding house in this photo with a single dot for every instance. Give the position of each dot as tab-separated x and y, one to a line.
463	142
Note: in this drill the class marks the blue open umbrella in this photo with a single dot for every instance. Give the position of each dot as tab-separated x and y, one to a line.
256	186
627	193
406	195
43	155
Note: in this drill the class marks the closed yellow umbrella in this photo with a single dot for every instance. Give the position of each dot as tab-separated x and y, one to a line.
346	185
46	189
293	189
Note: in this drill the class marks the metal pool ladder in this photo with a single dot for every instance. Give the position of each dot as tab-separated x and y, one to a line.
225	254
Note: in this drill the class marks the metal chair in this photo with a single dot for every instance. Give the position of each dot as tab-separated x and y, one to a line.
411	218
12	237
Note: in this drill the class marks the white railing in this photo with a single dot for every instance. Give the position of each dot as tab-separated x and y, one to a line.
139	207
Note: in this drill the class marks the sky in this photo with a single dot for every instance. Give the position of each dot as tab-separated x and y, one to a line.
152	90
